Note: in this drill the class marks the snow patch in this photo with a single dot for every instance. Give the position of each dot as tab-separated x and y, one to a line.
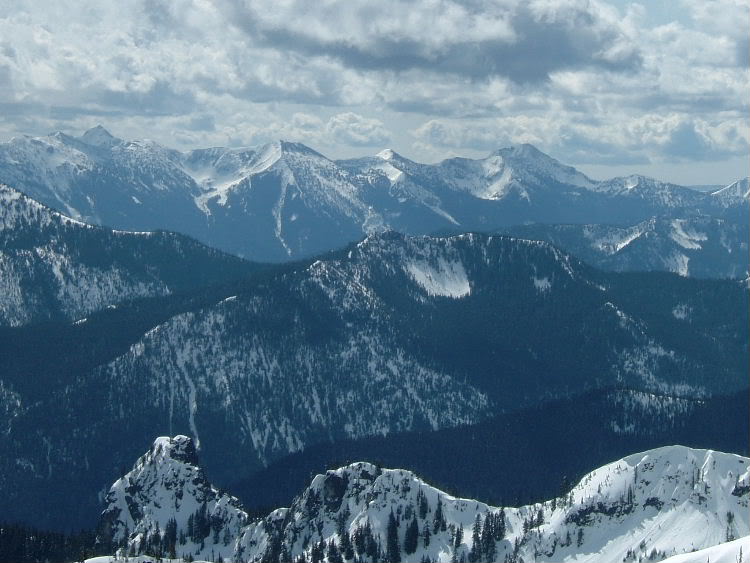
681	311
678	263
444	279
612	241
686	237
542	284
386	154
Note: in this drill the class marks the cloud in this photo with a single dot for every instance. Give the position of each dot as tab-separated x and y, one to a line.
579	78
455	135
352	129
695	140
651	138
524	41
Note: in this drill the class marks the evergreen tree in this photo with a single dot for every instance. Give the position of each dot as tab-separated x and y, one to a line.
411	538
317	553
630	499
488	537
500	525
347	551
170	538
426	536
459	537
334	555
191	527
475	554
439	523
422	504
393	550
358	539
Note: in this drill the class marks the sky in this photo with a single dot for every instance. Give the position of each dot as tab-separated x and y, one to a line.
612	87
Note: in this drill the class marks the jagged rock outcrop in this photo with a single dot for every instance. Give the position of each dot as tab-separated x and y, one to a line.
165	505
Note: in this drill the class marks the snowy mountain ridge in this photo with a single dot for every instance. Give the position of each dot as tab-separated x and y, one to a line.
734	193
646	506
696	246
54	267
283	200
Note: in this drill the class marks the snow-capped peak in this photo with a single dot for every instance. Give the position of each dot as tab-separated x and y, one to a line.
387	154
99	137
179	448
166	492
522	170
527	156
523	150
299	148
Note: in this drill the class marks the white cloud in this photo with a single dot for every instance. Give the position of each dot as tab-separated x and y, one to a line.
352	129
478	39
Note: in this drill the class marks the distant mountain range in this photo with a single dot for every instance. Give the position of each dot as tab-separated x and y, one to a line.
284	201
646	506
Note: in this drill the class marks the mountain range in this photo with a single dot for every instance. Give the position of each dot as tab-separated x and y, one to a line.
468	321
646	506
392	334
284	201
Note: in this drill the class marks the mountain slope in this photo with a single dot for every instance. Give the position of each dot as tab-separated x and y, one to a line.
53	267
289	199
698	246
284	201
616	422
653	504
389	335
733	552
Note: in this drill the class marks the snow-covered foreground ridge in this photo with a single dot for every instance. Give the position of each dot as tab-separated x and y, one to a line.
647	506
737	551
